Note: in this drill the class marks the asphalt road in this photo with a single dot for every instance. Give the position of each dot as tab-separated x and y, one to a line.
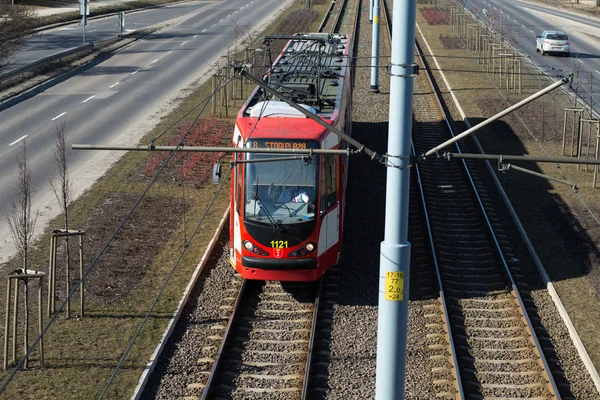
113	102
49	42
526	20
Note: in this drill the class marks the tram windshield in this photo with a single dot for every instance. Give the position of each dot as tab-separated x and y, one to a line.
280	192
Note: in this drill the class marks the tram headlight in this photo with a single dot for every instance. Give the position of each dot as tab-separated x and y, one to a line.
248	245
303	250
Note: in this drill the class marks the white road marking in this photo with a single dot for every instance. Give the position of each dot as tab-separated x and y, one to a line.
113	85
220	20
18	140
155	61
202	32
183	43
229	16
530	30
213	25
580	61
135	72
195	36
88	99
58	116
596	71
170	51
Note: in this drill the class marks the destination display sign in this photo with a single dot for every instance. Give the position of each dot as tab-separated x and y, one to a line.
283	144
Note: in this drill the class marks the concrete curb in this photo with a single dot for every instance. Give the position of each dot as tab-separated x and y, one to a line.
173	321
585	358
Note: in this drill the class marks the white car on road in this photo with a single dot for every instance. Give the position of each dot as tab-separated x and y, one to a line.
553	42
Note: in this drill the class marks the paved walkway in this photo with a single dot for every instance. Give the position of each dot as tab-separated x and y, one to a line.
46	11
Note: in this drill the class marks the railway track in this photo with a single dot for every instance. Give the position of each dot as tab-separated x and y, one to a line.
268	346
342	16
265	351
267	339
482	341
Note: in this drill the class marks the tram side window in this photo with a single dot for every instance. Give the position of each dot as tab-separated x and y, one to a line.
327	185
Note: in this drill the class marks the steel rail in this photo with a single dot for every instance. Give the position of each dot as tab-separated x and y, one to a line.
327	15
311	344
307	370
461	392
547	372
336	24
226	337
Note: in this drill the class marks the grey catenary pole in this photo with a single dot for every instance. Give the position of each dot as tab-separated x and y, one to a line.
375	49
394	264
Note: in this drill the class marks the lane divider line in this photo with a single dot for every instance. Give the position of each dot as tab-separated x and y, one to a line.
195	36
18	140
183	43
58	116
113	85
88	99
155	61
135	72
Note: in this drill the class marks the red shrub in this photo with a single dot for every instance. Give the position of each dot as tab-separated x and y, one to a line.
434	16
196	166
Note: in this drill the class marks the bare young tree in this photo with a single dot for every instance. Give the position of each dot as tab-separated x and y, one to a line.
21	222
63	190
15	22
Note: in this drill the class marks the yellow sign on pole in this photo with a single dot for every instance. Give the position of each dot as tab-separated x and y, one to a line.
394	285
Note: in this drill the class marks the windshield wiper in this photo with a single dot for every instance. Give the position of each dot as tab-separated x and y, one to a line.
269	216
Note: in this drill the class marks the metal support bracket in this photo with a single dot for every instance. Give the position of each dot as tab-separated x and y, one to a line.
410	157
502	166
413	70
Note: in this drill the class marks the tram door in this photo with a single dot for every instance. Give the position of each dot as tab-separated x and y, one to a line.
330	209
236	209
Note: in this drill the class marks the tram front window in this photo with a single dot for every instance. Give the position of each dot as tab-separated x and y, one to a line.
280	192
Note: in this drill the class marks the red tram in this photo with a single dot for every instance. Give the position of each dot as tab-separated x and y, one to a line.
287	215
